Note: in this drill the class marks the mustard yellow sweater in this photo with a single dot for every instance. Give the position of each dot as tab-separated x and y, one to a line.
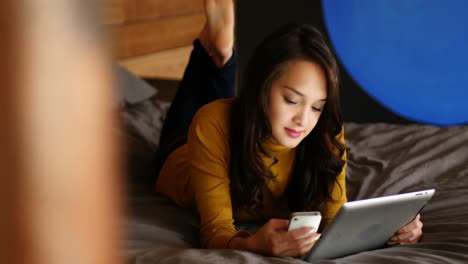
196	175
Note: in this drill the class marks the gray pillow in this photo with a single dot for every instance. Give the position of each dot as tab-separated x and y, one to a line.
130	89
142	123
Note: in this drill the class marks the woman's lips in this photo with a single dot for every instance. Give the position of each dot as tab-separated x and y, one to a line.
293	133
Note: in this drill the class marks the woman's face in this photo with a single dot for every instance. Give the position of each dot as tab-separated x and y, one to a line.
296	101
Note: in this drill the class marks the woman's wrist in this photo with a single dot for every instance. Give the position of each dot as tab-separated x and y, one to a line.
241	243
240	240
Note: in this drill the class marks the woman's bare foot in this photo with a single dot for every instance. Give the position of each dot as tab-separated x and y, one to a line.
217	36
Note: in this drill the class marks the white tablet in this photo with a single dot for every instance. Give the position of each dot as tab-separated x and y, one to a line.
367	224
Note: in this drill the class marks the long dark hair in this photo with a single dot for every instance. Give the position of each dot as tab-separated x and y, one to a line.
318	157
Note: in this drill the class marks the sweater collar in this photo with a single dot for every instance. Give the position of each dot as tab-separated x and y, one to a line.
274	148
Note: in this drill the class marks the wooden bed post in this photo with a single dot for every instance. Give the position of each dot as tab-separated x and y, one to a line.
61	172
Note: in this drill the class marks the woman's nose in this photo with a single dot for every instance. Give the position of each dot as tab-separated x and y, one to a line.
300	117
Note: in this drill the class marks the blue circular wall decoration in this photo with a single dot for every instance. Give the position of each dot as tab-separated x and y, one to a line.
411	56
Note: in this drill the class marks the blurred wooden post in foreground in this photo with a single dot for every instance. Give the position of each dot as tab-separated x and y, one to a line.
11	231
60	166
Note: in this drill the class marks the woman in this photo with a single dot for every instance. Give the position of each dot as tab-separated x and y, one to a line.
276	148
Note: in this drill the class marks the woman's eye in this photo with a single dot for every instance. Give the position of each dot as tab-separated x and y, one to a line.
316	109
289	101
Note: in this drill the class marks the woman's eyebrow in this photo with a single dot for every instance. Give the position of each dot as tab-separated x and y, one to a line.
299	93
294	90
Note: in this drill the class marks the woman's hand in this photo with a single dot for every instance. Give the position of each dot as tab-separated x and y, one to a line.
408	234
273	240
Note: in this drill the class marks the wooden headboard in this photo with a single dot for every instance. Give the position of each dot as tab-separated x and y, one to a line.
153	38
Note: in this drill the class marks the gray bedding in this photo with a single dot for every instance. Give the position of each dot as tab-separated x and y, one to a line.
383	159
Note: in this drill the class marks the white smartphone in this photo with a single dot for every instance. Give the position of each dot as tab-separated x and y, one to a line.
305	219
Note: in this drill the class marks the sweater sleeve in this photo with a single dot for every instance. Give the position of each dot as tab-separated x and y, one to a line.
338	193
208	148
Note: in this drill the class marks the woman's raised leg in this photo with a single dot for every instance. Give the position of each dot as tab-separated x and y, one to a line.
209	75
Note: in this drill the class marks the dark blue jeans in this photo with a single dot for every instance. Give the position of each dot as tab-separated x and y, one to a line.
202	83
